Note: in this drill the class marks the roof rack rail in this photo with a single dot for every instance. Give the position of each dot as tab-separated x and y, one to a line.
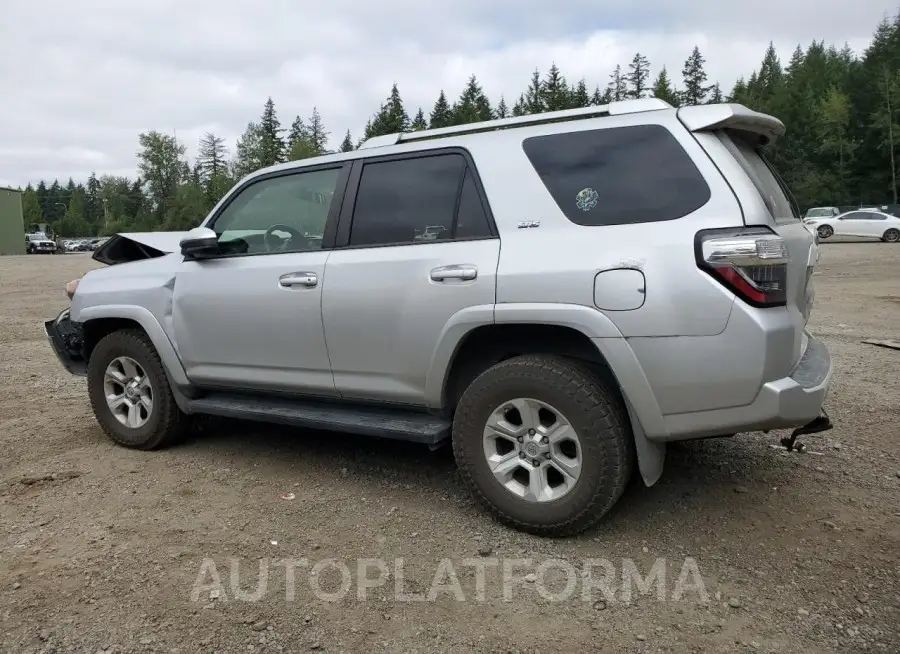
611	109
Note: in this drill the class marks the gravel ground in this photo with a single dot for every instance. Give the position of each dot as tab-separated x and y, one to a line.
103	549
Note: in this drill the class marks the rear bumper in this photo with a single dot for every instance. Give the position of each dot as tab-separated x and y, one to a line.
66	339
781	404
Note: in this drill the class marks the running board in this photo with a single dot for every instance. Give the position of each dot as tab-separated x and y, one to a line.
367	421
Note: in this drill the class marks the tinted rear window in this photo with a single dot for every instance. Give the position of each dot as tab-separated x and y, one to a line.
618	176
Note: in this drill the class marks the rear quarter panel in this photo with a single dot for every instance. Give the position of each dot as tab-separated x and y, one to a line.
557	261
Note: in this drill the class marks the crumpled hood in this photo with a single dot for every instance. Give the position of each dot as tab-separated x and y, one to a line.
136	246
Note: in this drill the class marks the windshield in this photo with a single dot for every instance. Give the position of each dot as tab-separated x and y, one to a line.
818	212
40	236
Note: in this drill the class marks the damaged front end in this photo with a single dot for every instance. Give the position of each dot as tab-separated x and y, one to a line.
137	246
66	336
67	340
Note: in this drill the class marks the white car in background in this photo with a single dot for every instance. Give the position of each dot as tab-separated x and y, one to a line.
864	223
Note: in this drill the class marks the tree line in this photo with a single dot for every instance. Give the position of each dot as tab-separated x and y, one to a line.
842	111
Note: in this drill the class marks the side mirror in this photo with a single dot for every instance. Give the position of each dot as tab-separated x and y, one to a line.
200	243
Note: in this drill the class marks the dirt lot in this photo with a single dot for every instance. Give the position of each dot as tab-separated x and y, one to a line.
101	548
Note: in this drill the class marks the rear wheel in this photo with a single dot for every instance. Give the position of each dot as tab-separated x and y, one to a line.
543	444
825	231
891	236
130	393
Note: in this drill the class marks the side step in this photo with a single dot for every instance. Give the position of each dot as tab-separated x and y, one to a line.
367	421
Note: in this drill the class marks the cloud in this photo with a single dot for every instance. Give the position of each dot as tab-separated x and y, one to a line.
83	79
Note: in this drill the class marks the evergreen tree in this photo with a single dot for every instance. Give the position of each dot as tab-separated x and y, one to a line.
618	87
271	144
519	108
249	151
579	97
440	114
212	167
638	76
297	133
93	208
318	135
42	195
347	143
533	99
418	122
212	156
391	117
472	106
56	207
501	110
396	118
715	94
835	139
694	77
662	88
555	94
739	92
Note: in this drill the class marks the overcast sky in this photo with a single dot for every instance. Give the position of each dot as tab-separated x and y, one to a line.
81	79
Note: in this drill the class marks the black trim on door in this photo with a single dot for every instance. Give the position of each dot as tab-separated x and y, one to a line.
331	223
345	220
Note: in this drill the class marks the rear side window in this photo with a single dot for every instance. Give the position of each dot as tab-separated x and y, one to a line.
618	176
407	200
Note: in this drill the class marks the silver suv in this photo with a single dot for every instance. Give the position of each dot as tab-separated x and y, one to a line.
557	295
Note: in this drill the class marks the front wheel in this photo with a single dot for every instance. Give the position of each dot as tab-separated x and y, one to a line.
544	444
130	393
891	236
825	231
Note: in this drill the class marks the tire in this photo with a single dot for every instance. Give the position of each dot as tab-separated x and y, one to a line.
825	231
594	410
165	423
891	236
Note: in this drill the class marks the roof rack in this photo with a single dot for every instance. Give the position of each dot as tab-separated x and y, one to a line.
611	109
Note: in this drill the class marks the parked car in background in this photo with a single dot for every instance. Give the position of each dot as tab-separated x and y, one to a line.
861	223
39	243
821	212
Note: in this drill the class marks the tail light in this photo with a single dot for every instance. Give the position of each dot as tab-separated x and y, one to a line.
751	262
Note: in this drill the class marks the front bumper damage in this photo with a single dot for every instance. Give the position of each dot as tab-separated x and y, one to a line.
67	340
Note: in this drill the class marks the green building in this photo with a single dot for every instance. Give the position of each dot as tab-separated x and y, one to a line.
12	224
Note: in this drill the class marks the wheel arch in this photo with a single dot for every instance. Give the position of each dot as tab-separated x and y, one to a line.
99	321
600	345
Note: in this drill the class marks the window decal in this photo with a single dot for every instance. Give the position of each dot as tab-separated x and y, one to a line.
586	199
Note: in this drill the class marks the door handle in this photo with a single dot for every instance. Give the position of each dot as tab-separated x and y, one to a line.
463	272
306	279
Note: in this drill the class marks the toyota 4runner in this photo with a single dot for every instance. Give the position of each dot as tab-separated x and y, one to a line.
558	295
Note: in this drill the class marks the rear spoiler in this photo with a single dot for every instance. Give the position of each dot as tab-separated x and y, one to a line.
135	246
700	118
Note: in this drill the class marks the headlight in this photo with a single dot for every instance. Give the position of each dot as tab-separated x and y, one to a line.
71	287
